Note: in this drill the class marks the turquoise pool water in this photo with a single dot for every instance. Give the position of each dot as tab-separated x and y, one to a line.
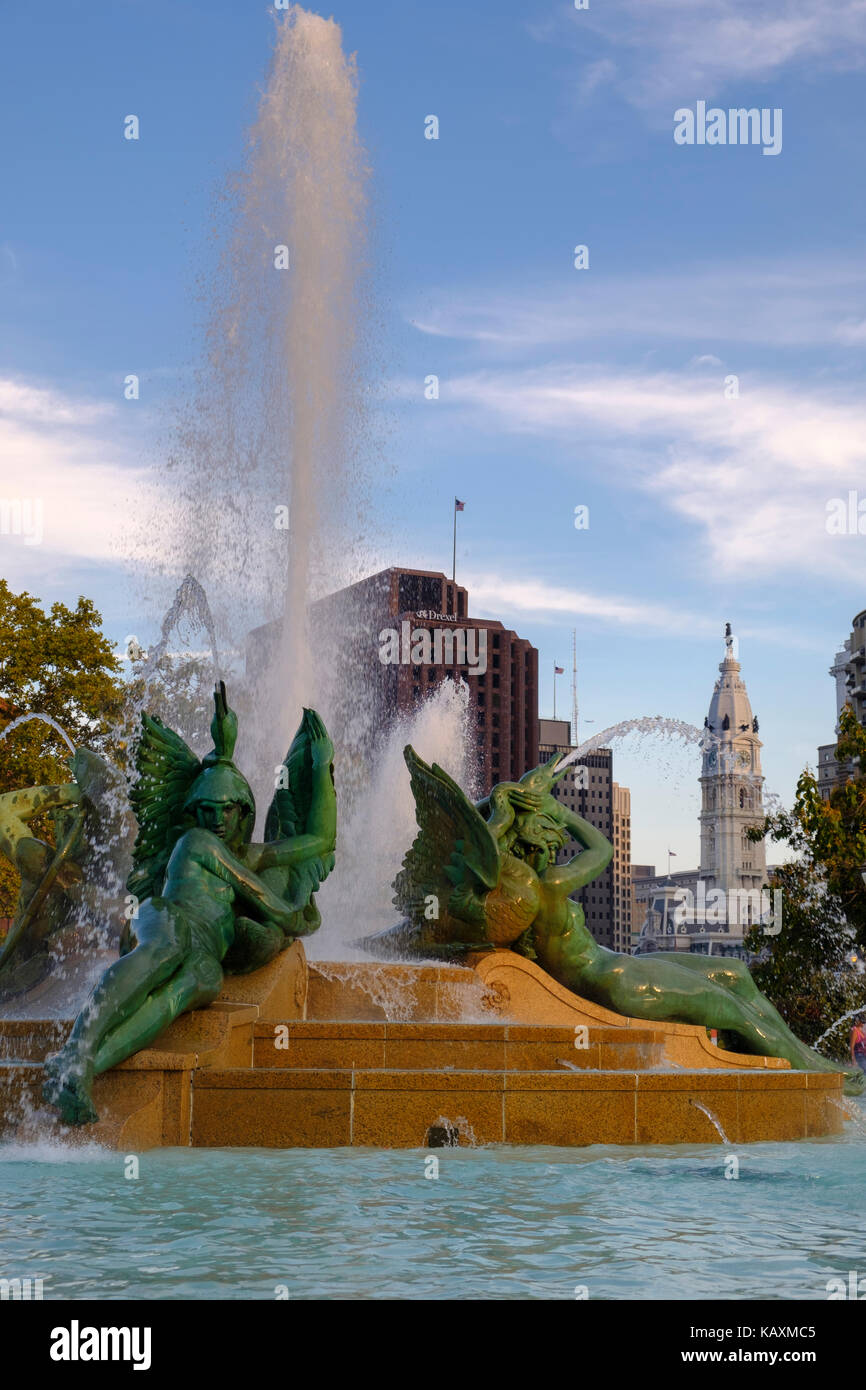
497	1223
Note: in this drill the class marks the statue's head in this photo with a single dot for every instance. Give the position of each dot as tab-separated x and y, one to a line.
221	801
221	798
541	780
537	838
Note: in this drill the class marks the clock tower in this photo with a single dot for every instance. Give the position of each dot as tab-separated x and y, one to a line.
731	784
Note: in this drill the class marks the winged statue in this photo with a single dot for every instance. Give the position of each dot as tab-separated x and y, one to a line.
208	899
484	875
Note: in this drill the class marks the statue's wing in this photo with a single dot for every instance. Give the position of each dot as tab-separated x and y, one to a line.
166	770
291	806
453	841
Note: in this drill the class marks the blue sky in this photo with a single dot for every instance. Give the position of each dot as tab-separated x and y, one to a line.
559	387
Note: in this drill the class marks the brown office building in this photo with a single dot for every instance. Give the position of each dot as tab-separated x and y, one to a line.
408	630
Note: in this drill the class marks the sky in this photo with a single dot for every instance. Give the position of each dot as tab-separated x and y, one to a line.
697	385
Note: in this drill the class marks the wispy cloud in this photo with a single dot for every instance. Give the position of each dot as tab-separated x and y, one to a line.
75	457
515	597
751	476
497	593
789	303
650	55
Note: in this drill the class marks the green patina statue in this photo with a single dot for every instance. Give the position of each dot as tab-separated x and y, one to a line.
67	886
484	875
210	900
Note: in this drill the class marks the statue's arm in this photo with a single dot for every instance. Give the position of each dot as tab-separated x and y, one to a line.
213	855
592	860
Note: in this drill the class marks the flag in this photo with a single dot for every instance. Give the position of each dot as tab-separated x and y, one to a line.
458	506
559	670
673	853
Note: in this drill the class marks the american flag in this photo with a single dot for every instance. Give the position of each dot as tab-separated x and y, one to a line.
458	506
559	670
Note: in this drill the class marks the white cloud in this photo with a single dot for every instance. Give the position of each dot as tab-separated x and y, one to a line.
751	476
499	593
699	48
74	457
784	303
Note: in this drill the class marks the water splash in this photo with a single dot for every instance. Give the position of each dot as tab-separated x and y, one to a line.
645	724
852	1013
714	1121
46	719
378	826
661	726
265	478
190	603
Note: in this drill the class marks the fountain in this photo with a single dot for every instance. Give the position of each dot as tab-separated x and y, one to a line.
213	1028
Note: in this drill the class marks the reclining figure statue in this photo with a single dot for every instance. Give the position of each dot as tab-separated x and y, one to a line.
195	872
482	876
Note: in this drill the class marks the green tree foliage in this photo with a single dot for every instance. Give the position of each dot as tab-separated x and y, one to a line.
61	664
806	969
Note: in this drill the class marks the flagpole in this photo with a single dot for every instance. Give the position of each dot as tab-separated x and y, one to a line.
454	549
554	689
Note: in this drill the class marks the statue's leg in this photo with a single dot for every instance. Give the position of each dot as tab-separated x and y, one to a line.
164	945
721	995
734	975
194	986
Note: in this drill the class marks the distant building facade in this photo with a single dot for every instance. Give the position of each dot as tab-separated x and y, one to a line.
409	630
849	677
709	909
589	791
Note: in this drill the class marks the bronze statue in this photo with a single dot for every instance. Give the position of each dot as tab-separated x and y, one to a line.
483	876
70	884
211	899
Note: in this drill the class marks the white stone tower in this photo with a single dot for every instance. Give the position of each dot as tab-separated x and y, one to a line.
731	784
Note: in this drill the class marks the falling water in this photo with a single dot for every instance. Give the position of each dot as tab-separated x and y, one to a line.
46	719
852	1013
657	724
189	603
380	825
714	1121
265	475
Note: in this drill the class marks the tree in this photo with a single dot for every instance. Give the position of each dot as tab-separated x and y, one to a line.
58	663
807	970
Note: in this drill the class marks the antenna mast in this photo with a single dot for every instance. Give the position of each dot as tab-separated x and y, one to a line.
574	738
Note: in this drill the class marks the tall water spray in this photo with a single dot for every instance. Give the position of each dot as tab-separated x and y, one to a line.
277	431
265	467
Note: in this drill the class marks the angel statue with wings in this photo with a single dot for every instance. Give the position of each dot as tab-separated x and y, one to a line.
210	900
481	876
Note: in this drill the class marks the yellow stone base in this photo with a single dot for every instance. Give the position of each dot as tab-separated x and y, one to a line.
334	1054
